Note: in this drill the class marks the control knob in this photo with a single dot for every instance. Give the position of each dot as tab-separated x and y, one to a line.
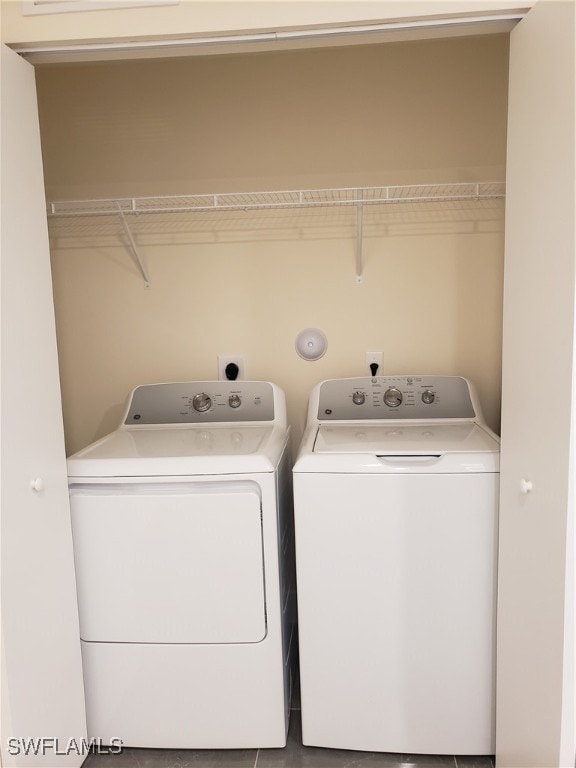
234	401
358	398
428	397
393	397
202	402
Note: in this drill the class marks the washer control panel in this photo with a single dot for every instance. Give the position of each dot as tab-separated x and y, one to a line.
201	402
395	397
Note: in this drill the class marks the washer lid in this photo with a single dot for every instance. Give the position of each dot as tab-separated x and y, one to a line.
404	439
180	450
384	448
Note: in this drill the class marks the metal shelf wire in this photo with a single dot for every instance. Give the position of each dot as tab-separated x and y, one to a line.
353	212
287	199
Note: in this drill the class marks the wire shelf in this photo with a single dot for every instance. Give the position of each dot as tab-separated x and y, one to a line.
253	201
320	213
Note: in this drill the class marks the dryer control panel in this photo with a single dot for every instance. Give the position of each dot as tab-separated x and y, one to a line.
204	402
394	397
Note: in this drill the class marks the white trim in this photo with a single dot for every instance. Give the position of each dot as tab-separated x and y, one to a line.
41	7
568	722
224	43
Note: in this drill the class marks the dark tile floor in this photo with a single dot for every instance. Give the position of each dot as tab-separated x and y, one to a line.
294	755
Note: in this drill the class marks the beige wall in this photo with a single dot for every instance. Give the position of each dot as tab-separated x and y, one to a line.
401	113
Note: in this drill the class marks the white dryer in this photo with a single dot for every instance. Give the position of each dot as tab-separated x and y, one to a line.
183	539
395	504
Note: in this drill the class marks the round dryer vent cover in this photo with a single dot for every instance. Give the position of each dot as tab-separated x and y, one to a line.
311	344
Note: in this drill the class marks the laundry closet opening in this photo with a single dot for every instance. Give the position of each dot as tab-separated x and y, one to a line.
247	281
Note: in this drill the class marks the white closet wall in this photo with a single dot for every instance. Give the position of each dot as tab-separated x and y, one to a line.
42	689
536	565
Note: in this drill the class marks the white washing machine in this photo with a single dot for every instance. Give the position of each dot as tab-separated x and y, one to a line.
183	539
395	504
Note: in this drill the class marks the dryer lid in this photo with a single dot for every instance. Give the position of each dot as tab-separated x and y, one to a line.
180	450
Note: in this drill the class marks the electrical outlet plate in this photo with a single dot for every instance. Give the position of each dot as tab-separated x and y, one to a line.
223	361
374	357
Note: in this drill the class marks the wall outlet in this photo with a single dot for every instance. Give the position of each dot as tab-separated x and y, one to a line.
374	357
225	360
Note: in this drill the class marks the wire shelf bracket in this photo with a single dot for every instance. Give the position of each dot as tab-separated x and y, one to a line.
359	226
134	248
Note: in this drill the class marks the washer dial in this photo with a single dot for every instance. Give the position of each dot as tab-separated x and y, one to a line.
202	402
358	398
428	397
234	401
393	397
